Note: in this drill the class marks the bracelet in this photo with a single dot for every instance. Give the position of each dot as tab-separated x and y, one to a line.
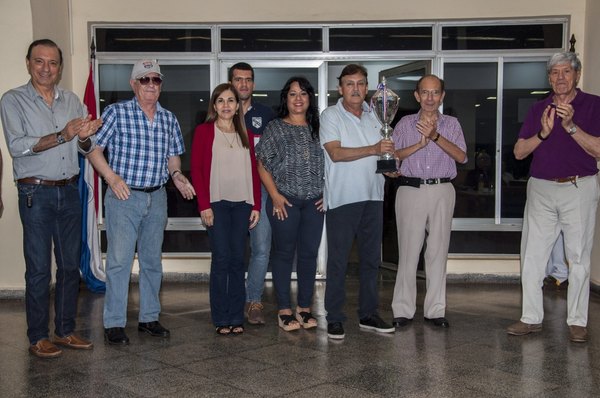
437	137
175	172
541	137
82	141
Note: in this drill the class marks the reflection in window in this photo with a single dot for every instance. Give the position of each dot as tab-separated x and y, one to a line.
271	39
524	84
502	37
471	97
145	40
381	39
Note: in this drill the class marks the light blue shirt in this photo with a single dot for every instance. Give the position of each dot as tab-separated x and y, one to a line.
354	181
26	118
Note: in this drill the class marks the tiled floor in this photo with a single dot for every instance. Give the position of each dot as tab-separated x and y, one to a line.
473	358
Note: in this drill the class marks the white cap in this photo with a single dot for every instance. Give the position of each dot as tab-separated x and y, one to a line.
143	67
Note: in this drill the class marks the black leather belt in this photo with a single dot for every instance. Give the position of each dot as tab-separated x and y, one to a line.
430	181
53	183
416	182
148	189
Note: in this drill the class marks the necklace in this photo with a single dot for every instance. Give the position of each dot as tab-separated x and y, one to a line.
226	139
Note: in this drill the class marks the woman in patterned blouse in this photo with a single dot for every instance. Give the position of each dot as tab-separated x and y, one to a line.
290	164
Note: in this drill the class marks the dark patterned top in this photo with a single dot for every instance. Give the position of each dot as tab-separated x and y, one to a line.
294	159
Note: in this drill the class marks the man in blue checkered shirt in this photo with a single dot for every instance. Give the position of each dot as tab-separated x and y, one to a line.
143	141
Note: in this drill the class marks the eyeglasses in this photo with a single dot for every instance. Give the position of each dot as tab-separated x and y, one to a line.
146	80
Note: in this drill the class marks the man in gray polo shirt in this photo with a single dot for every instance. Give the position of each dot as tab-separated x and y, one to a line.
45	126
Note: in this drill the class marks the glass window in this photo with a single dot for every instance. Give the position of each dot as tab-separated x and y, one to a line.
380	39
524	84
271	39
270	80
401	77
490	187
143	40
400	82
502	37
485	242
471	97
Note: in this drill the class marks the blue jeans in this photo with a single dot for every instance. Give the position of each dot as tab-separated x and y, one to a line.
363	220
54	215
260	249
140	219
299	233
227	243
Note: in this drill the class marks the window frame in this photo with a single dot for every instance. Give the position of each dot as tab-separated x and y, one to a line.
219	61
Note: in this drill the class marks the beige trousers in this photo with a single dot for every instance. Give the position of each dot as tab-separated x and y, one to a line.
550	208
427	209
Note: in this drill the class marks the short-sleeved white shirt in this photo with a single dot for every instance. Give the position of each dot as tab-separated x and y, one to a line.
354	181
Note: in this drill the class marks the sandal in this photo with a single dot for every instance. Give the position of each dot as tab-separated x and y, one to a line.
237	330
304	318
223	330
287	322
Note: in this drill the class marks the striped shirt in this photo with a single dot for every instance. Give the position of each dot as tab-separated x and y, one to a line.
431	161
294	159
139	150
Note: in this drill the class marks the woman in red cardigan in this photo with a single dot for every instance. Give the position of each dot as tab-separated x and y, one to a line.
224	175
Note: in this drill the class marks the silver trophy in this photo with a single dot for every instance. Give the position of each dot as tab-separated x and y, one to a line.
385	104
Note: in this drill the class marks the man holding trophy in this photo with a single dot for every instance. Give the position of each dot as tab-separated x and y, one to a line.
428	144
353	198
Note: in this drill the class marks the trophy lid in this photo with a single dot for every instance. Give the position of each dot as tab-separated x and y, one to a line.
384	102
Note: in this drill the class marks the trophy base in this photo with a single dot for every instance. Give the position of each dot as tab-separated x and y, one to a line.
386	166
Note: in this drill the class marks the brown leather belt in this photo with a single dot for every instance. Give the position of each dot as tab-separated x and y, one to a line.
572	179
53	183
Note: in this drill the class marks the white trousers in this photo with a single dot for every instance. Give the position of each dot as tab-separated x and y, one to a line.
550	208
420	210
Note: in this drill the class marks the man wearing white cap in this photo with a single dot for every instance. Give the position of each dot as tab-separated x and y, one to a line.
143	141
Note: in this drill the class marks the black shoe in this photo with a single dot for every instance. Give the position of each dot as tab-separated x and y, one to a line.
401	321
153	329
116	336
335	330
374	322
440	322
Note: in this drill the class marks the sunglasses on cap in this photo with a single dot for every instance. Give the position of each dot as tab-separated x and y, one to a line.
146	80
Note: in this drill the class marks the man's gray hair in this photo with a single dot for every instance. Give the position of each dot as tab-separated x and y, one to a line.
563	58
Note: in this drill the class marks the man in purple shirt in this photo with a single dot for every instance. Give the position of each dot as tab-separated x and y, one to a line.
429	144
562	133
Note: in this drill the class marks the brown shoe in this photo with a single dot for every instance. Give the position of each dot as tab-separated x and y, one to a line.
578	334
255	313
45	349
522	328
73	341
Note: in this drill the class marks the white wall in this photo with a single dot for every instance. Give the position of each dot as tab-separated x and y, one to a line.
16	33
591	63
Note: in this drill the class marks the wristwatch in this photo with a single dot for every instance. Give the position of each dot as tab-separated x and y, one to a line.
572	130
59	138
